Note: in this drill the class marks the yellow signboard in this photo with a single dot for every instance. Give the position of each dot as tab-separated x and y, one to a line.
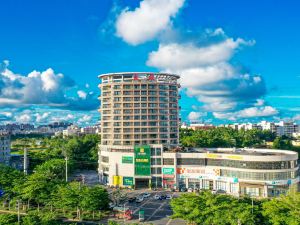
117	180
237	157
213	156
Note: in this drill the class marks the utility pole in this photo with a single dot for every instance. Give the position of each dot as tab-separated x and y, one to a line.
124	212
25	166
66	158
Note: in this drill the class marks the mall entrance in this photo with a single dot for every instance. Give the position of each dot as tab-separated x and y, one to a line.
141	183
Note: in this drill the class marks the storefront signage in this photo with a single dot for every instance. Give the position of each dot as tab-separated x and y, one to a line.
219	156
168	170
236	157
142	160
282	182
127	159
213	156
200	171
117	180
127	181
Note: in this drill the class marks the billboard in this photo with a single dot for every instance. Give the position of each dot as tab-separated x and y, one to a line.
168	170
117	180
127	181
127	159
142	160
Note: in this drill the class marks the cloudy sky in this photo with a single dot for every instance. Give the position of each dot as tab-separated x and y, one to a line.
238	60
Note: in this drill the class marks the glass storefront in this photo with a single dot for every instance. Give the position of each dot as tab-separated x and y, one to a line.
221	185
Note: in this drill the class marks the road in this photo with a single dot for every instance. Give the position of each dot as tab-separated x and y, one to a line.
156	211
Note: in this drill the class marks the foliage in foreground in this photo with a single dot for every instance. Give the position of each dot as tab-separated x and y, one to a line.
208	209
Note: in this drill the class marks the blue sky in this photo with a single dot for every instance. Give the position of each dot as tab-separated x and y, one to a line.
239	60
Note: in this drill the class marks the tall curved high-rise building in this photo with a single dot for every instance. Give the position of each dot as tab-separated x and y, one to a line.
138	110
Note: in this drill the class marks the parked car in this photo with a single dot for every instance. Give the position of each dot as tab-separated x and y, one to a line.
163	196
190	190
111	205
131	199
169	196
139	199
156	197
146	195
183	189
221	192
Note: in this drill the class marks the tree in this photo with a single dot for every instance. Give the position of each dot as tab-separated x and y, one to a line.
37	218
284	210
94	198
9	177
8	219
282	143
39	186
208	209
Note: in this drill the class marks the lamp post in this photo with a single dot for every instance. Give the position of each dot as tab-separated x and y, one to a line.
124	212
66	158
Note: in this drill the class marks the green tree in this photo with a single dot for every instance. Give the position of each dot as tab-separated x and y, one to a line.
37	218
10	177
8	219
282	143
284	210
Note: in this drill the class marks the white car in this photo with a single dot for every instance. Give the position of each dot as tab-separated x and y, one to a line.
146	195
156	197
169	196
139	199
190	190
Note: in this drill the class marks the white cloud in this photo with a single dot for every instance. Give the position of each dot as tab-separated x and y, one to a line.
259	102
24	118
297	117
41	117
42	88
85	118
147	21
82	94
207	73
264	111
194	116
176	56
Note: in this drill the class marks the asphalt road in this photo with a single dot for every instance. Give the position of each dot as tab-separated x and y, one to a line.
156	211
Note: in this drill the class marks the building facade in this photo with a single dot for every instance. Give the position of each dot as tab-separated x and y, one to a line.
138	111
254	172
4	148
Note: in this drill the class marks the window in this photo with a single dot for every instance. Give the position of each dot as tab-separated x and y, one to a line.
156	170
168	161
104	159
190	161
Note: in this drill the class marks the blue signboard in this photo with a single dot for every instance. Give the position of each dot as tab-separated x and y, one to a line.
1	193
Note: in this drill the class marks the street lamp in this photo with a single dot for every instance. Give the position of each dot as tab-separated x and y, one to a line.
124	212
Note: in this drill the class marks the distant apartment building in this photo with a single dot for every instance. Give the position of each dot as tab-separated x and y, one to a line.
72	130
4	148
286	128
201	126
89	130
281	128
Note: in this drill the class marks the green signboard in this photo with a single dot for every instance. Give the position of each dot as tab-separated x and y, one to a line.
127	159
168	170
128	181
142	160
141	215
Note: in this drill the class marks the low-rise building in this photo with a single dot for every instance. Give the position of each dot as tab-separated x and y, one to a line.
255	172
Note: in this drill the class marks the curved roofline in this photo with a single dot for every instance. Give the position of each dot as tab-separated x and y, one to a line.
125	73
